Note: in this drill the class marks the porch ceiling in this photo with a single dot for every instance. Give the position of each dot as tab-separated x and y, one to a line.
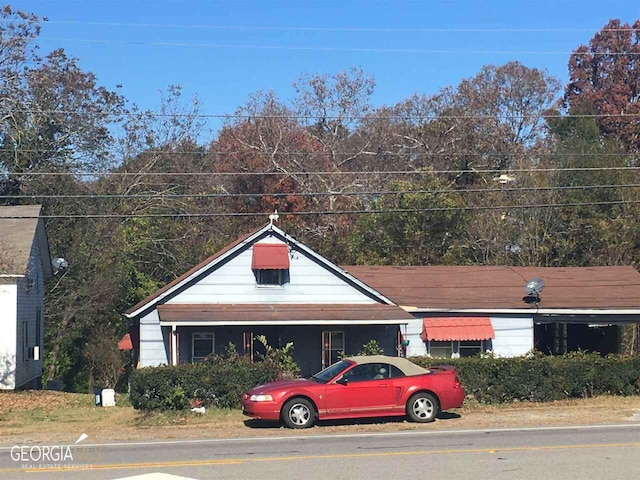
288	314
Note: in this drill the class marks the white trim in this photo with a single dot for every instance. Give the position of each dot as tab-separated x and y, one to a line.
326	263
243	323
205	267
213	343
174	345
526	311
11	275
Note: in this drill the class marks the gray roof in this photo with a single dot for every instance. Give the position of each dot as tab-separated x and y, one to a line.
407	367
18	231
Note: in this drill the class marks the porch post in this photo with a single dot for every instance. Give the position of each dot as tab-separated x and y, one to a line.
174	345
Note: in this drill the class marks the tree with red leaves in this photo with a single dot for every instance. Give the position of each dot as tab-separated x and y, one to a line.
605	79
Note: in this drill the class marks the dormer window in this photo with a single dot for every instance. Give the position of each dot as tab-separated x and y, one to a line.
270	264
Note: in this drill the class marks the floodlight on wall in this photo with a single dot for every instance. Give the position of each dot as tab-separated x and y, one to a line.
532	290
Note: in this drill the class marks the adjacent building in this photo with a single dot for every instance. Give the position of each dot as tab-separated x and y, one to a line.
25	264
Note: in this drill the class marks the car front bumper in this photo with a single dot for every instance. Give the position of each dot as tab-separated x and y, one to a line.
260	410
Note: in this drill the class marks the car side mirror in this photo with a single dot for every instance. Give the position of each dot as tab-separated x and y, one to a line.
342	381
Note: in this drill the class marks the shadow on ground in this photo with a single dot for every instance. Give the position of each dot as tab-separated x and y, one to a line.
352	421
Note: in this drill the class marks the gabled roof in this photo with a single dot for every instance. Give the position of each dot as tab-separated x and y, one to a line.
21	225
459	288
240	244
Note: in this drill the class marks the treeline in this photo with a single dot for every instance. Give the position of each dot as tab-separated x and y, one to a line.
507	167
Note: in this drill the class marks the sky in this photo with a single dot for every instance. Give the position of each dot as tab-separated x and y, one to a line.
224	50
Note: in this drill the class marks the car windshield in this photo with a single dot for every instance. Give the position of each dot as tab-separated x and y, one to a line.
328	373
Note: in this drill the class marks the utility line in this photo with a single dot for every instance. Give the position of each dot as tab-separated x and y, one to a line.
330	212
363	153
340	29
322	194
335	117
334	49
323	173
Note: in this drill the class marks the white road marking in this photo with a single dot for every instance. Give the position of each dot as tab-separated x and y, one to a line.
349	435
156	476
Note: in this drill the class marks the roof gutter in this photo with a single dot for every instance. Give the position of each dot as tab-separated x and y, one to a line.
538	311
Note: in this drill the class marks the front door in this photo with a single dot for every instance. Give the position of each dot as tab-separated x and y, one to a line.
368	390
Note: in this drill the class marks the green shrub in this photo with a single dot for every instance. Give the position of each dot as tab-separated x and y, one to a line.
544	378
219	381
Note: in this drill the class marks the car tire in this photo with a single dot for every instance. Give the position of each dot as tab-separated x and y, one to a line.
299	413
422	408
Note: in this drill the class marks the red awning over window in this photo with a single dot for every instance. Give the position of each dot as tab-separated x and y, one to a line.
125	343
457	328
270	256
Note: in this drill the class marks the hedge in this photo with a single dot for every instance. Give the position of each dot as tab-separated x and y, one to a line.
542	378
219	382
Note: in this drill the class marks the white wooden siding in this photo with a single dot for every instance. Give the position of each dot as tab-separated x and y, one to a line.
30	299
8	302
234	282
514	336
416	346
153	350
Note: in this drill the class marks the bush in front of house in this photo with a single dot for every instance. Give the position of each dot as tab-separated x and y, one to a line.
543	378
219	382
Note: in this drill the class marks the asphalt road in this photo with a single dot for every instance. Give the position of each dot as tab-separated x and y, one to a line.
575	453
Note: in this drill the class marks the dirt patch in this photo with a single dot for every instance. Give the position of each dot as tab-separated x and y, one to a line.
53	417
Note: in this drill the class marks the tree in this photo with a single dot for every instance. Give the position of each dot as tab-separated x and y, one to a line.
605	78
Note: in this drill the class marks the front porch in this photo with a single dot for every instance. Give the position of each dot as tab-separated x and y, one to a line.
315	346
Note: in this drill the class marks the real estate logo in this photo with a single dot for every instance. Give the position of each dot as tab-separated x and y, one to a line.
37	457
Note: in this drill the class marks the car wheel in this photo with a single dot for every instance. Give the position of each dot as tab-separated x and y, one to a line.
422	408
298	413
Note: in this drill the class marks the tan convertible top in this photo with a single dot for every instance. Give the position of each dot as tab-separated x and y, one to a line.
407	367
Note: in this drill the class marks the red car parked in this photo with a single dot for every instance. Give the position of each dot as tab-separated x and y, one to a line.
358	387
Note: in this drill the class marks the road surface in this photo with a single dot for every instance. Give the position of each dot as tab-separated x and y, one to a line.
575	453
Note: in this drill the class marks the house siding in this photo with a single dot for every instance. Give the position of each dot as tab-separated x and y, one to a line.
514	336
154	345
234	282
8	340
30	300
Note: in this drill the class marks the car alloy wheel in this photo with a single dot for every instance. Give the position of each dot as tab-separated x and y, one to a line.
299	413
422	407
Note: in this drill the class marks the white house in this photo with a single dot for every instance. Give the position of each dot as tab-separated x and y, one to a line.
267	283
25	264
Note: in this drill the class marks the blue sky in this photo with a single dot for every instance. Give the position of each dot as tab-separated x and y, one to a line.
146	59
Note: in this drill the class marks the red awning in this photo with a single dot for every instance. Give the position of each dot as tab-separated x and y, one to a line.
125	342
457	328
270	256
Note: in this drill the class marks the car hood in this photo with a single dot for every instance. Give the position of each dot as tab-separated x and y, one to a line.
281	385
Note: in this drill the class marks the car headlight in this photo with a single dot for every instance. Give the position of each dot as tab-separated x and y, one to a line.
261	398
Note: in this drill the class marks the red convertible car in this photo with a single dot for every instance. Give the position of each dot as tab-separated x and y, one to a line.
358	387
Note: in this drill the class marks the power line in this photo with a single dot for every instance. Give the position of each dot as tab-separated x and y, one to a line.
327	173
434	116
340	29
332	49
321	194
331	212
349	154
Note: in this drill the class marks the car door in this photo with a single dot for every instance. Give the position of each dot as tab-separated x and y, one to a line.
368	390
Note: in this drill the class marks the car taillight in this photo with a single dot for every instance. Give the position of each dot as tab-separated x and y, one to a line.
457	383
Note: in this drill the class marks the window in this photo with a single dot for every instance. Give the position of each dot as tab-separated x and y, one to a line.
332	345
202	346
441	349
271	277
25	341
470	348
395	372
464	348
367	372
38	341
